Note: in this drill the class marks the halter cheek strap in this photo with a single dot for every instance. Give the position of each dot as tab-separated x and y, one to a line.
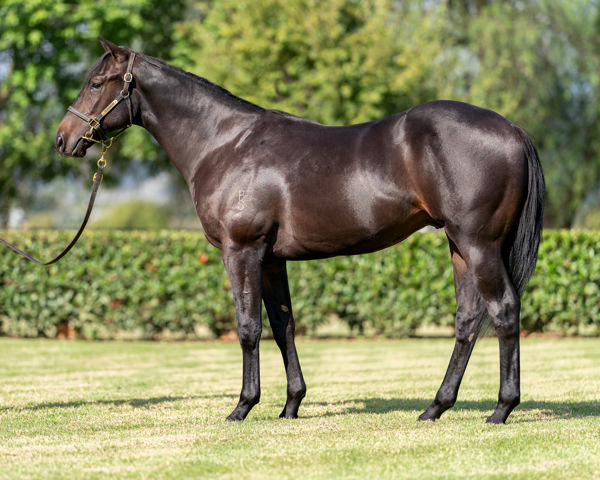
96	123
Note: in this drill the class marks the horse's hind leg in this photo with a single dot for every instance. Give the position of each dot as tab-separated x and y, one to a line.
492	281
276	296
504	305
470	313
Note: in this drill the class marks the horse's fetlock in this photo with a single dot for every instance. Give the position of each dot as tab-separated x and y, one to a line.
296	394
249	400
446	398
509	399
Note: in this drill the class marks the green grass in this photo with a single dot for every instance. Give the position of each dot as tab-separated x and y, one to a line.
156	410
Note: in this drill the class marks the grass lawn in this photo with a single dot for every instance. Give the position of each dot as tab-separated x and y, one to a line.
156	410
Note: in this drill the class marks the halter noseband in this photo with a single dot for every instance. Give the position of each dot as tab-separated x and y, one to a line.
96	123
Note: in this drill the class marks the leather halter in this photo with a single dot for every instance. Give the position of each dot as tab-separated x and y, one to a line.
96	123
95	128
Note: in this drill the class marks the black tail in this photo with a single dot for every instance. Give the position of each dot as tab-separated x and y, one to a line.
522	247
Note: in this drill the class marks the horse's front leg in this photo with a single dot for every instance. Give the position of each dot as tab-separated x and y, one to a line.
276	295
243	266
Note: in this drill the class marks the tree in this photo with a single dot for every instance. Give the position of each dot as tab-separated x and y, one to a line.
336	62
45	48
535	62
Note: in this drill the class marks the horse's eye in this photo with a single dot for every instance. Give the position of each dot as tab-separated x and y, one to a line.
95	85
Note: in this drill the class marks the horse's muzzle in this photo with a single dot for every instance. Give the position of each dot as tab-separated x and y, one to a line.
78	150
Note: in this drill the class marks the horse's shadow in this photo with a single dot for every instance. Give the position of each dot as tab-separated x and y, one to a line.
132	402
545	410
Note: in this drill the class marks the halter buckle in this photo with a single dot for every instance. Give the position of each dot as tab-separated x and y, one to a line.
94	124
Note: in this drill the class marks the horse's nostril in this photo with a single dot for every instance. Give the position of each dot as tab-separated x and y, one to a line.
59	142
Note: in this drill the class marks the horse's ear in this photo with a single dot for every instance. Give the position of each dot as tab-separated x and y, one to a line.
116	52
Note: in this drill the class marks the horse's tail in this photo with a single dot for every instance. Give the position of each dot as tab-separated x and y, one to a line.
521	248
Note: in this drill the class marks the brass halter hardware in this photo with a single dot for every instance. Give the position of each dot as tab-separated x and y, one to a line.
95	124
106	144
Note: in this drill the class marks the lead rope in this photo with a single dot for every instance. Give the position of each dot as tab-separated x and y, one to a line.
96	184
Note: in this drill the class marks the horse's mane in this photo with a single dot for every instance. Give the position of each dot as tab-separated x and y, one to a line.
213	88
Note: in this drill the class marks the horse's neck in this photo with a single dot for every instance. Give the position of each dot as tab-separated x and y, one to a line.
190	117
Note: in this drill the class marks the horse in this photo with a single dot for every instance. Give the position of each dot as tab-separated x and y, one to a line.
270	187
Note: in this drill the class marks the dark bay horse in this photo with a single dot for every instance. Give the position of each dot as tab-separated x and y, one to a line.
270	187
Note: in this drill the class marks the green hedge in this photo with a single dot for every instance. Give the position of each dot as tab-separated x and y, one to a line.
153	285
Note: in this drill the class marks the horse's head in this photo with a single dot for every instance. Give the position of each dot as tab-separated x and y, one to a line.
102	106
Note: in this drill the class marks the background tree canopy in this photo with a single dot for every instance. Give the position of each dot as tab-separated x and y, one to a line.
337	62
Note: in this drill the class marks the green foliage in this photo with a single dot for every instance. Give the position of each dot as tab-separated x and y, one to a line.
336	62
47	47
136	215
150	284
564	295
392	292
588	214
144	283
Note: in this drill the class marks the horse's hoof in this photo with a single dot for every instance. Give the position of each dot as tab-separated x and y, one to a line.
426	418
287	415
235	417
496	419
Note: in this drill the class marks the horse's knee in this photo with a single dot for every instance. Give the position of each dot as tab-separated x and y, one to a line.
467	327
249	335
